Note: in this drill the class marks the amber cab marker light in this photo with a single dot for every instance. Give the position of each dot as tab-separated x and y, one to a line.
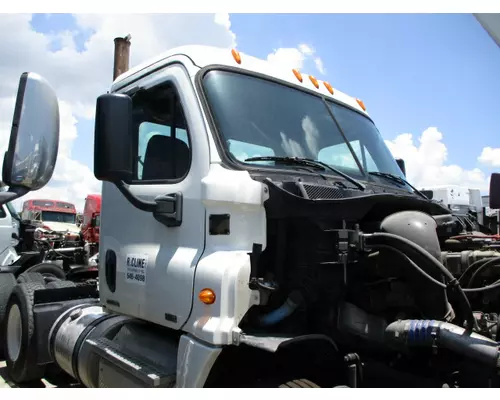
328	87
297	75
314	81
361	104
207	296
236	55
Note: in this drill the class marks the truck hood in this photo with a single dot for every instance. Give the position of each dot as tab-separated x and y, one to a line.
62	227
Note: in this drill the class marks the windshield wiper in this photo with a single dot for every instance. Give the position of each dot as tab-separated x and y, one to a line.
398	179
310	163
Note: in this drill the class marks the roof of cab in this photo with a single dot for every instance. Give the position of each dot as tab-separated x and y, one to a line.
203	56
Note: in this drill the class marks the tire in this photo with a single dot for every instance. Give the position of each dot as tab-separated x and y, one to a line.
60	284
299	384
19	333
31	277
48	269
7	284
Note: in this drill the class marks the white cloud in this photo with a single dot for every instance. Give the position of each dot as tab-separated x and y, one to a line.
490	157
295	57
319	65
79	76
426	162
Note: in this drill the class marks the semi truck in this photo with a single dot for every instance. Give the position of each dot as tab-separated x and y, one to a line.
91	222
469	205
257	232
52	217
10	225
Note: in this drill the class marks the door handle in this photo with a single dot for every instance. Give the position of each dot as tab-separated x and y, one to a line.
169	209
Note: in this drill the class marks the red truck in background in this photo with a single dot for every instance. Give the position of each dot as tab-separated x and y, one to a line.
50	216
91	223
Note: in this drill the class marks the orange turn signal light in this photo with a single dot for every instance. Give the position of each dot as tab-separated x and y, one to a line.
207	296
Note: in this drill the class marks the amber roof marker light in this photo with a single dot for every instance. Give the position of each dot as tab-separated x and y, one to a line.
328	87
298	75
314	81
236	55
361	104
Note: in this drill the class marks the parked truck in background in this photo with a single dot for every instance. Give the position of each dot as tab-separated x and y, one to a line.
91	223
468	205
492	216
52	218
10	224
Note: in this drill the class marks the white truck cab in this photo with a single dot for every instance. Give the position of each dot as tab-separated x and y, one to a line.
159	272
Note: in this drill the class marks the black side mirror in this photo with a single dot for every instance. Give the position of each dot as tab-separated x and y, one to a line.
114	157
495	191
428	193
401	164
113	150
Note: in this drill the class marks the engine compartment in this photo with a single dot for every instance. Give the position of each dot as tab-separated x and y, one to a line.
390	277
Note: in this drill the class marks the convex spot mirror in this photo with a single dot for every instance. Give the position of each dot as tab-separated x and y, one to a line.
401	164
34	139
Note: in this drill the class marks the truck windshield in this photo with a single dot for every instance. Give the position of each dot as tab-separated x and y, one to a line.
259	117
52	216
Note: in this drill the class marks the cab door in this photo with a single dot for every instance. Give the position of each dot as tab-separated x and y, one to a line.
155	264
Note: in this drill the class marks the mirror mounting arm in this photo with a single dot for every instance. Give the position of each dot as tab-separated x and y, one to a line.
12	194
147	206
166	209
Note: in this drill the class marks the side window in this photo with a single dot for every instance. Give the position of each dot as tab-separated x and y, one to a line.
163	145
3	214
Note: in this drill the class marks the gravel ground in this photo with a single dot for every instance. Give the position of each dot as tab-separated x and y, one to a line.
49	382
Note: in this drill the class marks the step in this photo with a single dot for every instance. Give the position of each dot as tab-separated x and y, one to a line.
114	353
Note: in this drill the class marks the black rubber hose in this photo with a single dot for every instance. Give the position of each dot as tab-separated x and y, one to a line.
476	264
407	246
413	264
493	286
490	263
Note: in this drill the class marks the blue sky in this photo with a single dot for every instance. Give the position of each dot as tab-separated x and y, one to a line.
412	71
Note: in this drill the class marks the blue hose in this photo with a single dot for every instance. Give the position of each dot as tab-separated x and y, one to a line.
287	309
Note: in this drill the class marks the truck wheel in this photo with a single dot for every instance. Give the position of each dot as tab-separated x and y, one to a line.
7	284
60	284
48	269
26	277
299	383
19	329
